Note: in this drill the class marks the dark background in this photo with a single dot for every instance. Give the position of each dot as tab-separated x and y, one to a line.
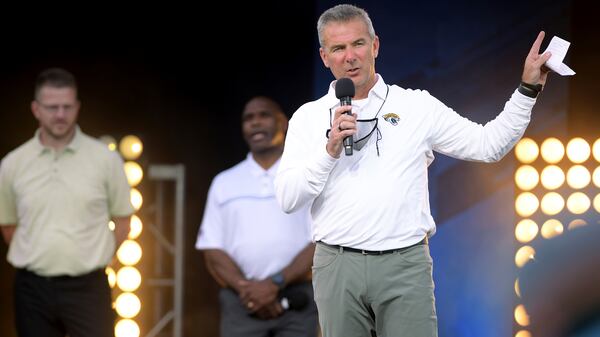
178	78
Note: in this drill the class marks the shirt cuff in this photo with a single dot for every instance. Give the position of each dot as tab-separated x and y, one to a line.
325	162
522	101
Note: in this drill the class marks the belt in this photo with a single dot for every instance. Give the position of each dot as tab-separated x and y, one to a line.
342	249
28	273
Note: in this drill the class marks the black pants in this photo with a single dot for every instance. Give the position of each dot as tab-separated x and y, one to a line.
79	306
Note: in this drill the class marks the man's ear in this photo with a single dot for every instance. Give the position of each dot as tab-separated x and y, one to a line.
282	126
282	122
35	109
323	57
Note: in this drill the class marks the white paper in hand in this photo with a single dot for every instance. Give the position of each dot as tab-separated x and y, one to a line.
558	47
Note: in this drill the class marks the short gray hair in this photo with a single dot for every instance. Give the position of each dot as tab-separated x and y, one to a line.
343	13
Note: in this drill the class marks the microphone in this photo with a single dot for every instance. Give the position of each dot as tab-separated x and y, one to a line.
344	91
293	300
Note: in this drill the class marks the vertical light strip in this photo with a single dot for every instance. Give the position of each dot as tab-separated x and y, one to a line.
128	278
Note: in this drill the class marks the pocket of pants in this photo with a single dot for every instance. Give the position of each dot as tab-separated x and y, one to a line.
323	257
417	254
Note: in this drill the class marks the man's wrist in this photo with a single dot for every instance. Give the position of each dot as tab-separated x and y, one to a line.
279	280
330	149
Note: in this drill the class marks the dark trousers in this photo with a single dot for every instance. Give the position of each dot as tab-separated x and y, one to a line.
237	322
79	306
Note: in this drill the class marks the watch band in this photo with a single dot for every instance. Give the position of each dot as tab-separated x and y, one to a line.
278	280
530	90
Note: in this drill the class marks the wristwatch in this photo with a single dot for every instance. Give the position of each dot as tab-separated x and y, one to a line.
530	90
278	280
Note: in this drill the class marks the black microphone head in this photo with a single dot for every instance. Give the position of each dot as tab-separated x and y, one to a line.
344	87
296	299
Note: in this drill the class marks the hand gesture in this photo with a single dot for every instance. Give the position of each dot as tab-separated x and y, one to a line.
257	294
534	70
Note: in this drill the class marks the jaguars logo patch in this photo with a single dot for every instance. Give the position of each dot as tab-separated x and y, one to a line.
391	118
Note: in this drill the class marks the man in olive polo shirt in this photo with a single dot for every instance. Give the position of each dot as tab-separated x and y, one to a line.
58	191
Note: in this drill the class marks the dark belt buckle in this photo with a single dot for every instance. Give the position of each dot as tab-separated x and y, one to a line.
372	252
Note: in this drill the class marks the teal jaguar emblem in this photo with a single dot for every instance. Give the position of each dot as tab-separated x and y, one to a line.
391	118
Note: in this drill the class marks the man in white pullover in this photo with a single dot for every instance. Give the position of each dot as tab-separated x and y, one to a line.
372	271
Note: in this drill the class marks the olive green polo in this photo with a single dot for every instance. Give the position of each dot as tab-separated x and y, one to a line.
61	203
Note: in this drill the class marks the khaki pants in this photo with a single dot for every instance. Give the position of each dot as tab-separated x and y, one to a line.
387	295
